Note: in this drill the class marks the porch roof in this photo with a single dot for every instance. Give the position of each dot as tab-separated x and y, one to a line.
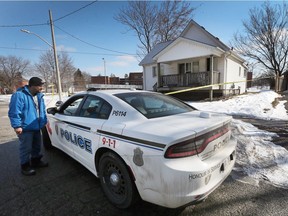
148	59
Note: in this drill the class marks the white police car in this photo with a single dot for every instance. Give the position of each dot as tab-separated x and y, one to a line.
144	143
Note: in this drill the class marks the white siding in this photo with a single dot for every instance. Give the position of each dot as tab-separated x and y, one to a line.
198	35
148	79
185	50
233	75
170	69
220	68
202	65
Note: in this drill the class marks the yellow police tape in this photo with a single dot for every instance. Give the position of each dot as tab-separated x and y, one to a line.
201	87
218	84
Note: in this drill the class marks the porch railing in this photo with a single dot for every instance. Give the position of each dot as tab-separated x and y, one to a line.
189	79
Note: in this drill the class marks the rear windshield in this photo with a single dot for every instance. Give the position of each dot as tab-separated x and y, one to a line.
154	105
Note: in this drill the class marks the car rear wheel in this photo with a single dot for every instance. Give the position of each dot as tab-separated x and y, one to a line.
46	139
116	181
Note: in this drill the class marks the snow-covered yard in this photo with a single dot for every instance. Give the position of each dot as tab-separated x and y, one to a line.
257	156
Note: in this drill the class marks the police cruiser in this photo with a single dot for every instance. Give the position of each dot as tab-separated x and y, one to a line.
144	145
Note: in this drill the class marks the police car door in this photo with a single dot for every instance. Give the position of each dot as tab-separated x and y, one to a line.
62	136
92	115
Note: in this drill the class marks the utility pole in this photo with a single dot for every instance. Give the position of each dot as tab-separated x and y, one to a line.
104	71
55	57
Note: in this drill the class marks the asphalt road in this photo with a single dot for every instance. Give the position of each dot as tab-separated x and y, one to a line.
67	188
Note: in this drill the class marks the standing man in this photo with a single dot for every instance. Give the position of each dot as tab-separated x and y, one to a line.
27	116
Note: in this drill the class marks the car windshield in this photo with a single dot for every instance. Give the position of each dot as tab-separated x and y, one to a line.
154	105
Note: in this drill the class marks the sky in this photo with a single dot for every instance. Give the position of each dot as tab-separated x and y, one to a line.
93	39
257	157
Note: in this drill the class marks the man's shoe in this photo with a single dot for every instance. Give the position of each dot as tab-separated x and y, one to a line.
27	170
38	163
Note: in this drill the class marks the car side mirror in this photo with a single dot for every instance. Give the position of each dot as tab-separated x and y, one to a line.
52	110
58	103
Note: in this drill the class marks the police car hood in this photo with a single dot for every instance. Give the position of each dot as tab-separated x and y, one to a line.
172	129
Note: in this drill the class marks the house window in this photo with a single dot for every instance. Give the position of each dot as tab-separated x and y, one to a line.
196	66
188	67
154	71
239	71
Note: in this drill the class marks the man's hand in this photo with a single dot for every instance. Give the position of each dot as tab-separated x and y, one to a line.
49	129
18	130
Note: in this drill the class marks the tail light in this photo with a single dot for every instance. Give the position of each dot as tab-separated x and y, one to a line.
197	145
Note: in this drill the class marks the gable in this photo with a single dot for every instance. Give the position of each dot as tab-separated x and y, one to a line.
183	49
198	33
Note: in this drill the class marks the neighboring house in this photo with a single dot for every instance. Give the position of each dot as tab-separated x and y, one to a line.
134	80
100	80
196	58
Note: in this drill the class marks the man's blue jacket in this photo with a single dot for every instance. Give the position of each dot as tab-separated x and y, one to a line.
23	113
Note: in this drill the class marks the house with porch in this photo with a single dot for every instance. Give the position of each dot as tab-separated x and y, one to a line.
195	59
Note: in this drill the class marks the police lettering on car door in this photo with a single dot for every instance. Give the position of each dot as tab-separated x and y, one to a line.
76	139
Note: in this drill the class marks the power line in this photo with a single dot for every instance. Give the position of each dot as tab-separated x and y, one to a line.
93	44
47	23
15	48
23	25
72	52
73	12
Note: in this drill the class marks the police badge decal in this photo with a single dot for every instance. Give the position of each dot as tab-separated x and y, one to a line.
138	157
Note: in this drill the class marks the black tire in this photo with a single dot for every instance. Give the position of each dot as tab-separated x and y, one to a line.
46	139
116	181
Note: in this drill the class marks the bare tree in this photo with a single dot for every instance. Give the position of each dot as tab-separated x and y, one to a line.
266	38
155	22
46	69
141	17
67	70
172	18
12	69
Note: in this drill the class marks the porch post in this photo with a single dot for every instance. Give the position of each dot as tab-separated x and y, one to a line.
159	84
211	76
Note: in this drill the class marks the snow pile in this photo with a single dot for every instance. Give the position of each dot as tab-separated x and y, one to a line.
252	105
257	156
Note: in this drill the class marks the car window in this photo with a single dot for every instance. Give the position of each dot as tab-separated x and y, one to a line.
95	107
71	106
154	105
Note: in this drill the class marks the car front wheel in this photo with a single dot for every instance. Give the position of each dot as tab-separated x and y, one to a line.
116	181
